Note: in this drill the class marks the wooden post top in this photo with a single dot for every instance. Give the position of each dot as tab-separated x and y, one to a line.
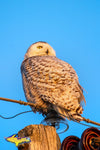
42	138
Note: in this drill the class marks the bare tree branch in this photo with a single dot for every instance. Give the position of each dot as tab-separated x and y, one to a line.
18	101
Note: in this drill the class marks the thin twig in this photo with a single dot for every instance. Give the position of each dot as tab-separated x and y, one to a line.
18	101
90	121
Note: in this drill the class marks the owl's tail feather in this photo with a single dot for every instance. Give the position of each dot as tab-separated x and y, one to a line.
69	114
80	88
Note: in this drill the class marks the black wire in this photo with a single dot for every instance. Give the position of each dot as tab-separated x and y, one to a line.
15	115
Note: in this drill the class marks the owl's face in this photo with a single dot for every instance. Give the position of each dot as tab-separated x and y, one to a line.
39	49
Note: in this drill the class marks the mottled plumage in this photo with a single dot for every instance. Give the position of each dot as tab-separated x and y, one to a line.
50	83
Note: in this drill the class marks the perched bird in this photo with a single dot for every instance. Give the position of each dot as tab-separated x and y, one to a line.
51	84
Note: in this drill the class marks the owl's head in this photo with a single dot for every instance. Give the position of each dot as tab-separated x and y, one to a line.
39	49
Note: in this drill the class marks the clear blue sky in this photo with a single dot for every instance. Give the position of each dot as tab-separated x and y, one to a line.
72	28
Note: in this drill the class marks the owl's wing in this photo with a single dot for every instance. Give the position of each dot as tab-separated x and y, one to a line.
53	81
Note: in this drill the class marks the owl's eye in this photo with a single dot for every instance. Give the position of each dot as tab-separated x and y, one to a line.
39	47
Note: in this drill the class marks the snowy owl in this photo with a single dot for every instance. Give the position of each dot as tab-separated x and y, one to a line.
51	84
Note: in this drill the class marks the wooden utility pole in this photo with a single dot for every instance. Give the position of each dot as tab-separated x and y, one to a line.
42	138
